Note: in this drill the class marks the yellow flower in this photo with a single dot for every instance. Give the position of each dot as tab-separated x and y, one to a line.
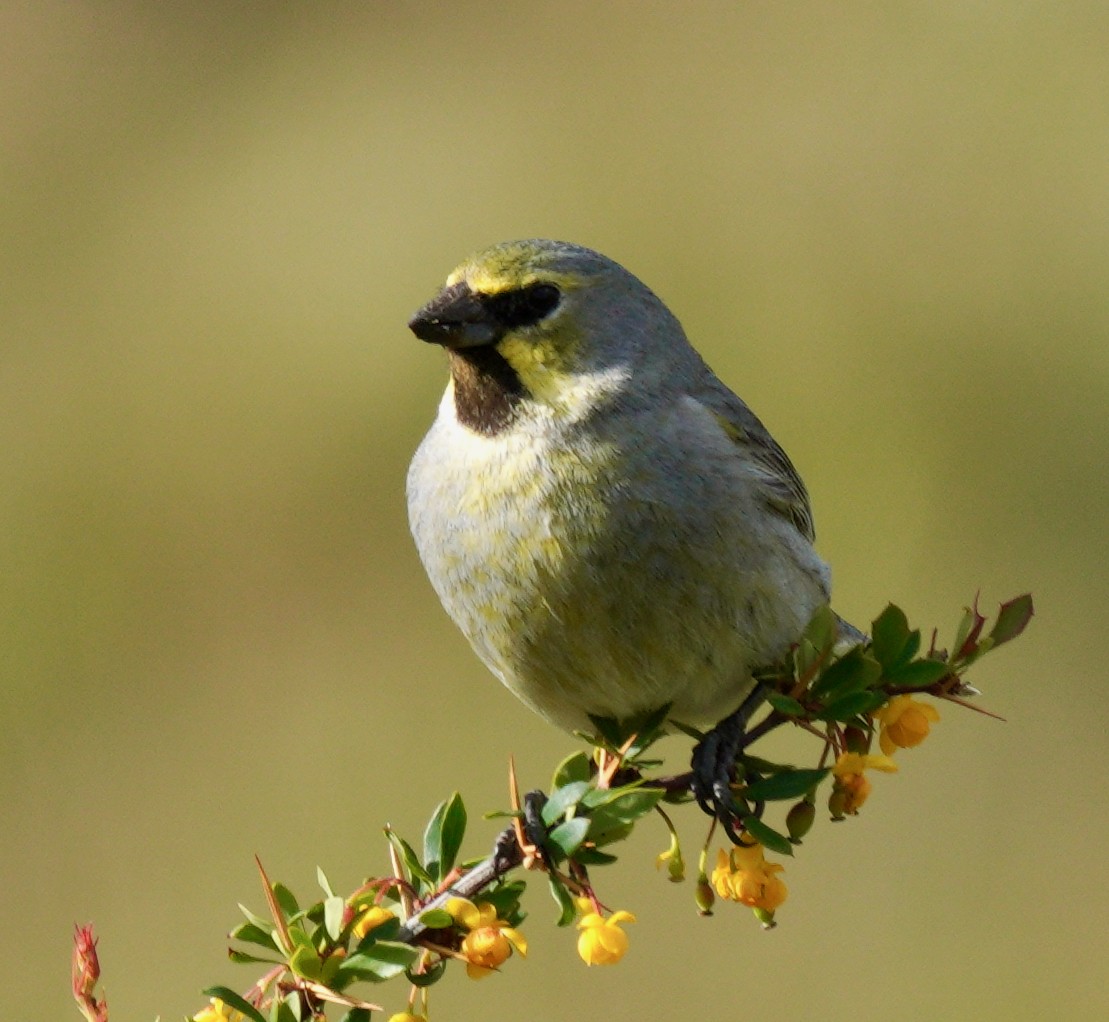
745	876
855	789
490	941
601	941
217	1011
407	1016
761	889
905	723
371	919
850	782
485	949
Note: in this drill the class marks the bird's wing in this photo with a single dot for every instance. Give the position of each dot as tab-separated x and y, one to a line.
785	492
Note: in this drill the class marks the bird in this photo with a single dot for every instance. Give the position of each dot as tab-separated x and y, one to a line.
612	528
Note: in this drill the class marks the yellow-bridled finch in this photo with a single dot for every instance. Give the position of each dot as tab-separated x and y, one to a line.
610	526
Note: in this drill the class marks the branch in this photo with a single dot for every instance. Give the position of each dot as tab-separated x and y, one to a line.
411	923
507	855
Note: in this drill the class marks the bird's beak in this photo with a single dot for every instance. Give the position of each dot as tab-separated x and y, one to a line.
455	318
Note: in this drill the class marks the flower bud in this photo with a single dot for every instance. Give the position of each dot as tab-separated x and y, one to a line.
837	804
86	964
704	896
765	917
799	820
855	739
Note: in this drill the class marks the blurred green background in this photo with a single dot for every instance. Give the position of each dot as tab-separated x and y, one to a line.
887	226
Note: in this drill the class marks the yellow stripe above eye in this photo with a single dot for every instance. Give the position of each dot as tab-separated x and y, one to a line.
492	280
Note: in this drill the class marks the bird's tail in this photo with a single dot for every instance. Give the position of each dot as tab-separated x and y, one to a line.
849	635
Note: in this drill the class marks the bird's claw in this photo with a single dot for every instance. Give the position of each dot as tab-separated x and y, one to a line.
714	760
532	833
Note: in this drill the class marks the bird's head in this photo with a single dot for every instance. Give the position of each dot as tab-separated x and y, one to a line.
549	322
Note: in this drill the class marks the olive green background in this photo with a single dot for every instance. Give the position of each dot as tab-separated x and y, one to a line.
885	225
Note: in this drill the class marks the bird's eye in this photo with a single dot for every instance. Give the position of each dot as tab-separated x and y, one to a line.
524	306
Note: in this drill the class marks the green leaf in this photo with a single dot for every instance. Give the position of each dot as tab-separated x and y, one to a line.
299	937
567	910
322	880
287	1009
576	767
295	1005
890	636
260	921
383	960
596	797
568	836
245	958
652	720
852	672
330	971
822	629
629	802
918	674
593	857
985	644
236	1001
688	730
788	784
305	961
805	657
604	828
285	899
848	707
430	975
433	841
757	765
412	865
333	910
966	637
506	899
562	798
360	1014
613	819
767	836
785	704
1012	619
499	814
436	919
609	730
251	934
443	837
648	728
385	931
454	831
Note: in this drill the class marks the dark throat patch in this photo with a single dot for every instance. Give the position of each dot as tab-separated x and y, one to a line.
486	389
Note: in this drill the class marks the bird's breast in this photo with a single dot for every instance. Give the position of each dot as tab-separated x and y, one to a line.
595	574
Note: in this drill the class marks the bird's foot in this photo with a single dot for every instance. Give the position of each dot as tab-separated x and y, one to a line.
531	832
714	762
